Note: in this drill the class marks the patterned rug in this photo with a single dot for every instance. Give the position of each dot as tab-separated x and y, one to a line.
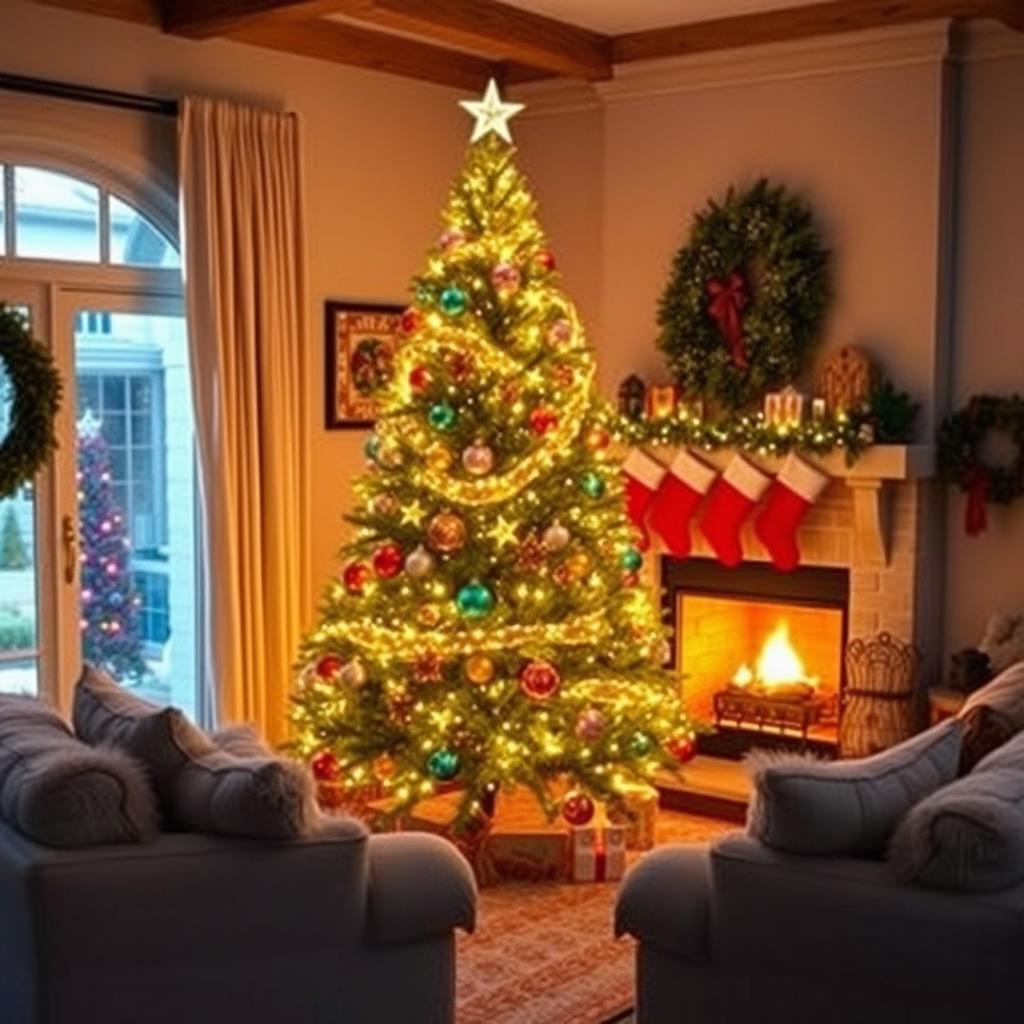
544	953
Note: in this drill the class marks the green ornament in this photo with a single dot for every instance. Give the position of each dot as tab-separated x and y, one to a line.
443	764
475	600
453	301
442	416
631	560
640	744
371	448
592	485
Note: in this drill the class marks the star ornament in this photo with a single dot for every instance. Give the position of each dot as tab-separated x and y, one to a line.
492	114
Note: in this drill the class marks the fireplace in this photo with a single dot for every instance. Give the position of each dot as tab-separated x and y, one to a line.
759	652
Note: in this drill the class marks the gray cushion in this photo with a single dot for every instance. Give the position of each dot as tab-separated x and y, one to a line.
968	835
61	792
234	788
991	715
809	806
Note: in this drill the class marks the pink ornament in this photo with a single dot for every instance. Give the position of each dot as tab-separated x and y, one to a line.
590	724
505	277
560	332
451	238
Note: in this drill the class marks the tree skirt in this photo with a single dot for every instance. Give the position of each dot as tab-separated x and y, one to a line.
544	952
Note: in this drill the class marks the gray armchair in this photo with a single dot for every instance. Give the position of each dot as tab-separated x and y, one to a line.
738	932
337	928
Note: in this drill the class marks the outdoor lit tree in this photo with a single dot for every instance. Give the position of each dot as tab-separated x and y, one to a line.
110	603
13	553
489	626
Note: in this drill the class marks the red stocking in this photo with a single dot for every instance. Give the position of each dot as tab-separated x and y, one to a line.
643	477
681	491
792	493
732	497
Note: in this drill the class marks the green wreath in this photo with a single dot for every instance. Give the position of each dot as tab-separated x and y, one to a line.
33	397
960	442
746	298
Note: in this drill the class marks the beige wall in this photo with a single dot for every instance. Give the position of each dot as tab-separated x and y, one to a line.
380	152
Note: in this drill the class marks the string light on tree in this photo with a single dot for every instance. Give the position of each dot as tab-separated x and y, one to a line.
490	592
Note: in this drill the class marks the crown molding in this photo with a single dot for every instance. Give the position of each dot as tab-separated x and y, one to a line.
986	40
554	96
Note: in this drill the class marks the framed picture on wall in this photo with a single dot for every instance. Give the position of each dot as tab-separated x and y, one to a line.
359	348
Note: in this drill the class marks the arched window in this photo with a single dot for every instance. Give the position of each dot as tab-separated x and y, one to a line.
99	279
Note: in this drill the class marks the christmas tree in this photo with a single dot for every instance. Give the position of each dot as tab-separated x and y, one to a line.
13	553
110	603
489	627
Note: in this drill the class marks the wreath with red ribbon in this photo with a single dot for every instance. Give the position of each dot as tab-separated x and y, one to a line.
961	443
747	296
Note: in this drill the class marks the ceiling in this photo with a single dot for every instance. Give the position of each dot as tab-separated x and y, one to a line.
613	17
462	43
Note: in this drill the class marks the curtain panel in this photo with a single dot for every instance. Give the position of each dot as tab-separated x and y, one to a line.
244	252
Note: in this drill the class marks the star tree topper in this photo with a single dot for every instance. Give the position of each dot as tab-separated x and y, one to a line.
491	113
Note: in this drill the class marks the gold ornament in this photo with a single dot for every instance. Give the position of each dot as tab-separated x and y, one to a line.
446	532
384	767
479	669
428	616
578	565
438	458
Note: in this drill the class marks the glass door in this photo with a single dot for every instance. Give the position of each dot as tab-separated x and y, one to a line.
27	552
134	606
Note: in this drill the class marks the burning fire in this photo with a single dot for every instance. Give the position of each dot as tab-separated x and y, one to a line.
778	664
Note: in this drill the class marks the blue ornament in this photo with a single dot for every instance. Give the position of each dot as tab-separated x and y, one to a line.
592	485
475	600
442	416
443	764
453	301
631	560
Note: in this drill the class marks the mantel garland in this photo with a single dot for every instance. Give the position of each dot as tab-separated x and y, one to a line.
746	298
35	392
851	433
961	460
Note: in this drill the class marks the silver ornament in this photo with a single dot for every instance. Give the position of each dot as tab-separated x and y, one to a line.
419	563
354	673
556	537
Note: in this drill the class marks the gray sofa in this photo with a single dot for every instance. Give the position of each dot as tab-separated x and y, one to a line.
336	928
737	932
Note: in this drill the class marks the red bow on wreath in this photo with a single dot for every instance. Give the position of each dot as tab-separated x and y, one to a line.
728	299
977	481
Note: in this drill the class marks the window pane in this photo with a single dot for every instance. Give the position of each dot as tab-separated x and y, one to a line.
3	210
56	217
145	635
136	241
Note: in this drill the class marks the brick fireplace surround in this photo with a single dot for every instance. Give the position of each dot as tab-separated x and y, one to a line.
882	519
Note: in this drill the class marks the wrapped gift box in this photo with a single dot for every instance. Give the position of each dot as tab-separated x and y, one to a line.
598	853
640	818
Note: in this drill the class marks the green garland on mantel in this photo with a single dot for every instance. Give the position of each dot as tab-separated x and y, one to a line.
34	395
749	433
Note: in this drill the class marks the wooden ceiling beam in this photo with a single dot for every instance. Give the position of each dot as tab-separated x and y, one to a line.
496	29
375	51
1010	13
143	12
200	19
777	26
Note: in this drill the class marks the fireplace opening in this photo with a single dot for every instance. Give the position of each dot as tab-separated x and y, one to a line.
759	652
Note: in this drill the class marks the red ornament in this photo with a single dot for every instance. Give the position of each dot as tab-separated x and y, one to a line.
539	680
460	365
683	748
543	419
388	561
329	666
355	577
428	668
545	259
411	319
325	767
577	808
419	379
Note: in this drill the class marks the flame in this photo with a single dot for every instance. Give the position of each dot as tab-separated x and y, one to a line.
777	664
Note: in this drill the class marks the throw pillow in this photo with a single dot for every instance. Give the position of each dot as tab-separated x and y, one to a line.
805	805
991	715
60	792
970	834
232	786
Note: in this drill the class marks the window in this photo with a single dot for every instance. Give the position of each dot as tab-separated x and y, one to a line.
154	610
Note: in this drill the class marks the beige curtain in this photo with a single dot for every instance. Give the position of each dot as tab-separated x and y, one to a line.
244	254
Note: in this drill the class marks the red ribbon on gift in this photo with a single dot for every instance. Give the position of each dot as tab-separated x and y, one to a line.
977	481
728	300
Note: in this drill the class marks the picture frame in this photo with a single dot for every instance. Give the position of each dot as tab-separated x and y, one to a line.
360	340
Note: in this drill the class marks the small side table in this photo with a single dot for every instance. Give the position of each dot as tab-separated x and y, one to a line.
944	703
